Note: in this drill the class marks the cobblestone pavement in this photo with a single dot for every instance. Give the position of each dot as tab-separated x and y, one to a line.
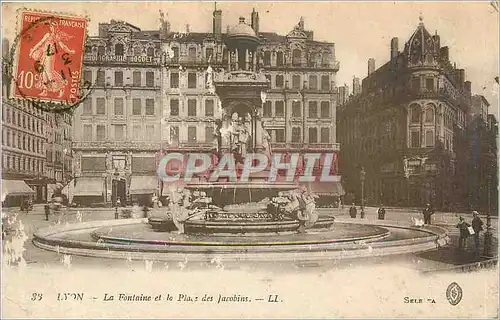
430	260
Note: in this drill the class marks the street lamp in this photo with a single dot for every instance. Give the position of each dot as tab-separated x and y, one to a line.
115	191
362	178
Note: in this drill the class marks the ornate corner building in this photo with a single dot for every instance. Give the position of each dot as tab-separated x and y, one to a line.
152	95
406	128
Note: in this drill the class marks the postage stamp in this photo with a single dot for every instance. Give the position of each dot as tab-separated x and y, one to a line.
49	57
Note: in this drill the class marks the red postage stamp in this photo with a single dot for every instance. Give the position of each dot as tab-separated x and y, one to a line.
49	57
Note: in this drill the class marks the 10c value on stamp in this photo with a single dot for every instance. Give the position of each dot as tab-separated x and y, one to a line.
49	57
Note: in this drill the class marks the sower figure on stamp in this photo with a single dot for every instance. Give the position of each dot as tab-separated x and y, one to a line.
44	53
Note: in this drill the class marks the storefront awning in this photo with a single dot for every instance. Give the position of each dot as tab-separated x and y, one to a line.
15	188
326	188
88	187
143	185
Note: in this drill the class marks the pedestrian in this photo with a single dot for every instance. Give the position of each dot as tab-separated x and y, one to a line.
464	233
477	226
353	211
46	207
381	212
428	212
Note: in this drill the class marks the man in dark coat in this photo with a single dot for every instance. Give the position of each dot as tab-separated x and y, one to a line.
353	211
477	225
428	212
381	213
46	207
464	233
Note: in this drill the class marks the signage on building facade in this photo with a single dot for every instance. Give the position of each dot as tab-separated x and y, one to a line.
137	59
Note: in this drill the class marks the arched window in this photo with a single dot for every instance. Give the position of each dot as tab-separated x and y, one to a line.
280	61
137	50
101	50
324	59
119	49
415	113
429	114
150	52
296	57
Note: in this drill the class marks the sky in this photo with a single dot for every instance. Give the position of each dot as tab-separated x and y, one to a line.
360	30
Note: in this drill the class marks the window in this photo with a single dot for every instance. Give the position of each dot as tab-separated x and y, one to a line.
87	76
119	132
429	114
429	84
296	109
150	79
280	109
279	81
313	135
136	107
174	134
296	134
325	59
429	138
118	106
136	78
209	134
88	49
8	138
325	83
150	132
280	61
136	132
296	82
192	54
313	82
150	107
119	78
101	132
267	109
191	134
150	52
192	108
415	113
209	108
325	135
174	80
280	135
415	83
296	57
209	54
101	50
100	106
119	49
191	80
175	50
313	109
100	78
415	139
325	109
174	107
268	78
267	58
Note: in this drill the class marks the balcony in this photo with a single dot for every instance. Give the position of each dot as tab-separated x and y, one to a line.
441	94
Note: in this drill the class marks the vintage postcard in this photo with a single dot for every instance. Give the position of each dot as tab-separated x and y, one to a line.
250	159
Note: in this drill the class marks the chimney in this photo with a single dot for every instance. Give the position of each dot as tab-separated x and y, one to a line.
187	28
445	54
461	78
468	86
255	21
217	23
356	86
394	48
371	66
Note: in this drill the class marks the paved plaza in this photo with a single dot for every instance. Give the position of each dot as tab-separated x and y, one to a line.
434	260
